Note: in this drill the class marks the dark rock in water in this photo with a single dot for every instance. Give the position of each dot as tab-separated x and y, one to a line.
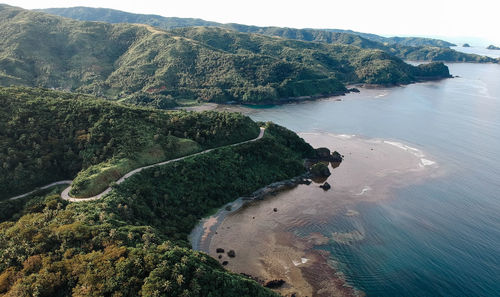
354	90
336	157
492	47
320	170
275	209
231	254
466	45
275	283
225	263
326	186
322	152
220	256
219	251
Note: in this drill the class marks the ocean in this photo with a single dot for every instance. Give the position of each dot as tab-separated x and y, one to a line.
437	237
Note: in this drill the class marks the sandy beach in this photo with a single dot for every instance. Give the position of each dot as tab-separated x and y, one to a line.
271	244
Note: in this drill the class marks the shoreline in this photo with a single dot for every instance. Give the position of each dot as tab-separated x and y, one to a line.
200	236
271	248
350	88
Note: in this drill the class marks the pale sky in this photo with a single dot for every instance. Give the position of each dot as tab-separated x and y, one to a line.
445	18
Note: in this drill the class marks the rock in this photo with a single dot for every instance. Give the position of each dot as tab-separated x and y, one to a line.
492	47
228	208
354	90
225	263
326	186
275	283
220	256
275	209
322	153
466	45
320	170
336	157
219	251
231	254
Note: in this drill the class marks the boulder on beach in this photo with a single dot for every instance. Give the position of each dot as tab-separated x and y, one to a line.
336	157
219	251
323	152
231	254
326	186
320	170
225	263
274	284
354	90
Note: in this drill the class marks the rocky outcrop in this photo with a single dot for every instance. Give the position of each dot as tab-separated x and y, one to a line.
466	45
492	47
320	170
274	284
326	186
353	90
323	154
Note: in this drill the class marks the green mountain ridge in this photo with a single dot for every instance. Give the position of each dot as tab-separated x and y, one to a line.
117	16
144	65
408	48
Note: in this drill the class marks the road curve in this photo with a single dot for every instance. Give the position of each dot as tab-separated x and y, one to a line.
65	194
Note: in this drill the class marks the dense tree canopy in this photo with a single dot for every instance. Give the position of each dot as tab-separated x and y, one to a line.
47	136
132	242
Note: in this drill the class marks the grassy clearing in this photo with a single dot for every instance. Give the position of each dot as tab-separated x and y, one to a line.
97	178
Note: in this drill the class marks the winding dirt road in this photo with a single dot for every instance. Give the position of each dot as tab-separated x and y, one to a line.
65	194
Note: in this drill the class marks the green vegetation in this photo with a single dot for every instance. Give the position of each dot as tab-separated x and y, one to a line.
116	16
409	48
132	242
439	54
97	178
144	65
47	136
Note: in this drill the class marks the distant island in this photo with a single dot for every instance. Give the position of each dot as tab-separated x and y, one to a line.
492	47
466	45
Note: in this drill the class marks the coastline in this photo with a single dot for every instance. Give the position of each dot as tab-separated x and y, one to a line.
350	88
270	244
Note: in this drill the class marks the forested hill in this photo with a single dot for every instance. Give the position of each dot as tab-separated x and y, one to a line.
46	136
404	41
133	242
408	48
117	16
148	66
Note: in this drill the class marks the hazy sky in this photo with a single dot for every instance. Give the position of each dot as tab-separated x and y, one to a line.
451	18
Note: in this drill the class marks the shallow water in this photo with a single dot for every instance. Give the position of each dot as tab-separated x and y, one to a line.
483	51
439	237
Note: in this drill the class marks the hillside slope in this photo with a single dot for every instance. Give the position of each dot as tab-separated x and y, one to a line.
147	66
408	48
117	16
46	136
132	242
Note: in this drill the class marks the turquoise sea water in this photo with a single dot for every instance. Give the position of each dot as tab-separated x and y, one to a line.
440	237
